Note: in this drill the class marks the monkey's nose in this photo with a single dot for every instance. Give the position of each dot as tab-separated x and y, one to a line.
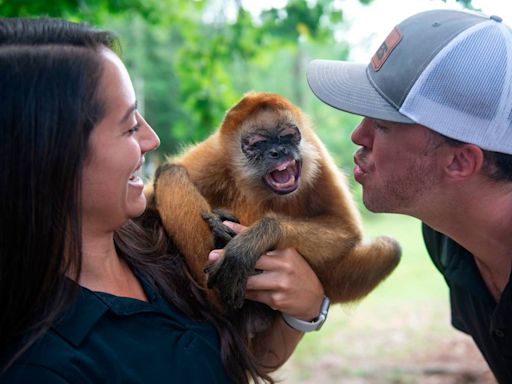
273	153
276	153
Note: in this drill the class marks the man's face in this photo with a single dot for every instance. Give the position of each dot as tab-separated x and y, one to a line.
396	166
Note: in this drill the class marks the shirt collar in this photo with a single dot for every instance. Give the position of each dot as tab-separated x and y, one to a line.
76	323
89	306
461	269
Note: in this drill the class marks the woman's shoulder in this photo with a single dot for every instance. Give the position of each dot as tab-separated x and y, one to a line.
105	337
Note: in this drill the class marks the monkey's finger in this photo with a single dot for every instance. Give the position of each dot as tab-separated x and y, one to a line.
217	226
211	219
221	238
225	215
225	232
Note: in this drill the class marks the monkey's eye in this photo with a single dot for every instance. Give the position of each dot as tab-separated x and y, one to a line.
254	140
290	133
252	145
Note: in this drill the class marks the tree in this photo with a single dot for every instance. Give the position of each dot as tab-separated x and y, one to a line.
184	56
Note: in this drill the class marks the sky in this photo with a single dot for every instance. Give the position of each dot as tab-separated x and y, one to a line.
368	26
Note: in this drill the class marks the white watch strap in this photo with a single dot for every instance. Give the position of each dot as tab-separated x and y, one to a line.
308	326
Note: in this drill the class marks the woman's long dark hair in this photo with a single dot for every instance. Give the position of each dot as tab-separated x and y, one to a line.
146	247
49	76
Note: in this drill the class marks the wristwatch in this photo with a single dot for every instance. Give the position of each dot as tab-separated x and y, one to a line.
308	326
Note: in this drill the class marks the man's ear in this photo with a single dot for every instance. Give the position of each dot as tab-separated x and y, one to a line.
465	160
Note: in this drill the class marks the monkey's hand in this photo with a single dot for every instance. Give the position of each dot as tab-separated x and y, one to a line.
229	273
222	234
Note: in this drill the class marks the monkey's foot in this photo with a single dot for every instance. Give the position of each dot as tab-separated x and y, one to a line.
230	279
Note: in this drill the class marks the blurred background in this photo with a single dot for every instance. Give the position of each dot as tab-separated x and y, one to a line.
190	60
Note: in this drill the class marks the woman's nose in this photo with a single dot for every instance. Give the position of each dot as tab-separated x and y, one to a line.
149	140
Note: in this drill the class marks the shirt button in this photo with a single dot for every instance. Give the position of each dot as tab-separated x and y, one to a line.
499	333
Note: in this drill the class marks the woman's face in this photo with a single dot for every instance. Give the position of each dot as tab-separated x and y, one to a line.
111	192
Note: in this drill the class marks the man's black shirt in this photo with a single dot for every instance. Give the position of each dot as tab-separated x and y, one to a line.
474	310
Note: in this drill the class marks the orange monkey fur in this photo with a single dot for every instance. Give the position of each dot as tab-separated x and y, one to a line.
319	218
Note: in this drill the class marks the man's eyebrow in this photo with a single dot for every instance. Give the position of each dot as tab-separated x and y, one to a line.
128	113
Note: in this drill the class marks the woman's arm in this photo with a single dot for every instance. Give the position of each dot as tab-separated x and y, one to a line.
287	284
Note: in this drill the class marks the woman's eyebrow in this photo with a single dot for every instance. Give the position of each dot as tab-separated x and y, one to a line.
128	113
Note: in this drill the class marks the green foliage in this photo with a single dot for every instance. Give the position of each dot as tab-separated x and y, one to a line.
190	62
94	11
299	18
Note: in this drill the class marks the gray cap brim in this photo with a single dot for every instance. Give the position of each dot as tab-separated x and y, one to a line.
345	86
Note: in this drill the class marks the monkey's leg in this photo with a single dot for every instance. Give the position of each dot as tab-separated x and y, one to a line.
353	276
347	268
180	206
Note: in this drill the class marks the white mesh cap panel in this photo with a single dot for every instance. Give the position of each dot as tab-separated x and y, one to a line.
465	92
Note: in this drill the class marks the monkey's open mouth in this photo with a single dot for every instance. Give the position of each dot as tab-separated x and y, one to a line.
284	178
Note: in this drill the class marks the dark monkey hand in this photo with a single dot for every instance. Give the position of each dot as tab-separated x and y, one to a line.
230	272
222	233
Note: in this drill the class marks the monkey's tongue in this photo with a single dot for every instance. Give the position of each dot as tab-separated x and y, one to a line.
284	178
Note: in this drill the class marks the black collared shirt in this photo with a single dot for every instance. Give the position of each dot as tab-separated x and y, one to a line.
112	339
474	310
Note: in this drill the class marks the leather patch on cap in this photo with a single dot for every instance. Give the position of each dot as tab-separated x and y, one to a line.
386	48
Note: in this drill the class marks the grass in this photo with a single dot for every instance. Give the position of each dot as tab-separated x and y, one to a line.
394	328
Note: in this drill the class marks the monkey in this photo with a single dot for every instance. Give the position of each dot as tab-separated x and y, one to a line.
266	166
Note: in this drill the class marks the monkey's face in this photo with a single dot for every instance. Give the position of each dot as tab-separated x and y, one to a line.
273	155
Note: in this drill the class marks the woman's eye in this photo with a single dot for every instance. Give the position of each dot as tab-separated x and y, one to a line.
134	129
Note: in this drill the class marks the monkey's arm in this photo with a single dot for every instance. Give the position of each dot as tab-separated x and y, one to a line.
181	206
347	268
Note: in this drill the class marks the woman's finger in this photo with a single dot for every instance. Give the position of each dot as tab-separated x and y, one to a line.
234	226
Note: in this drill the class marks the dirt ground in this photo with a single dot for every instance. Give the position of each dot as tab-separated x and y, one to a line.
420	348
457	361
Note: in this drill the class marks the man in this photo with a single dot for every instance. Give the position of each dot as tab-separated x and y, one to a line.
436	144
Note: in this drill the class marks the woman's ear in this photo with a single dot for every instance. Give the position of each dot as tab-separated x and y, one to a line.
465	160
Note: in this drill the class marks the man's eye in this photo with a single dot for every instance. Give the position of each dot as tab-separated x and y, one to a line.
381	127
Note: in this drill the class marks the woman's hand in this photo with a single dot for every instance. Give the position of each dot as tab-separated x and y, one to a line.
287	283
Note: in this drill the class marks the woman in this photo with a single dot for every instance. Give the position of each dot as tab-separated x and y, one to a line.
86	294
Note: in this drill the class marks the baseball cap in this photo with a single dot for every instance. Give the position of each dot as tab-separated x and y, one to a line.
448	70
